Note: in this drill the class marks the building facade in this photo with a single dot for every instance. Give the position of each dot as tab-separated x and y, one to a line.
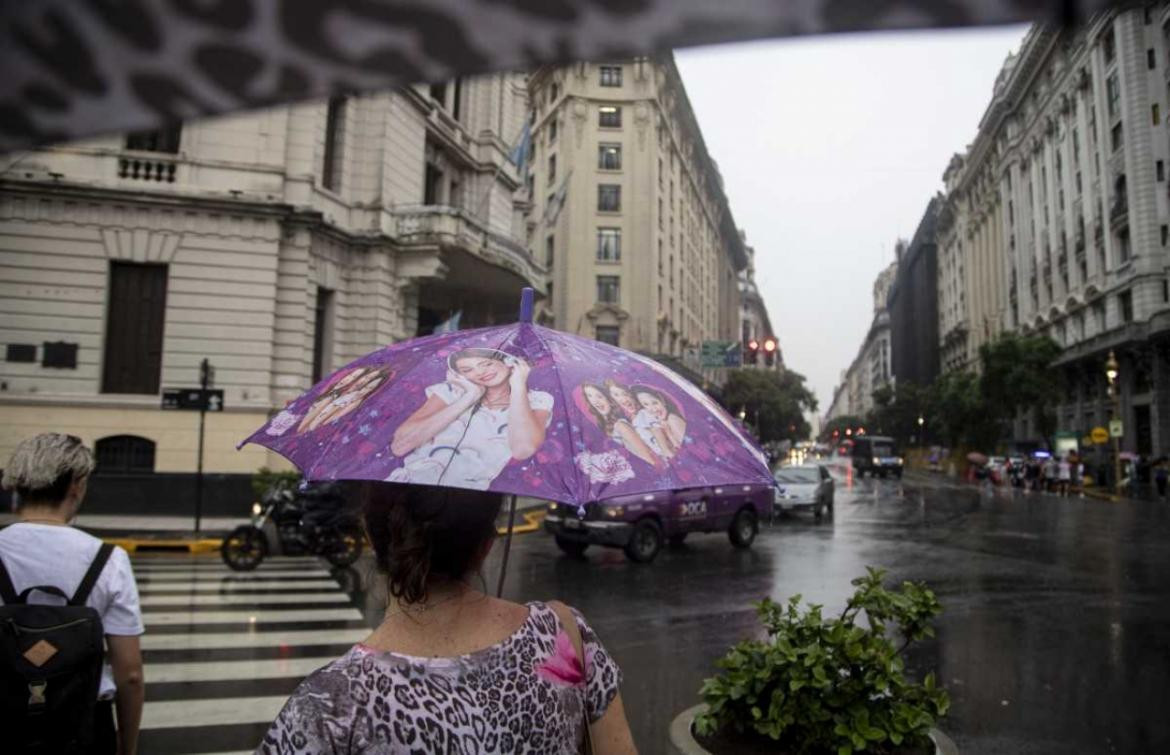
278	244
629	213
871	369
913	305
755	323
1057	219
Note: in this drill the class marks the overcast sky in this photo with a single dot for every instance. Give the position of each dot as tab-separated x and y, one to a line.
830	149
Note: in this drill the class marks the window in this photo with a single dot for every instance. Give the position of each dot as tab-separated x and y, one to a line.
134	328
554	92
611	76
609	156
1109	45
432	181
1125	306
608	334
439	93
124	454
1165	288
161	140
457	99
608	289
549	250
610	116
609	198
609	244
552	168
1151	59
552	131
1112	94
1160	170
1165	234
331	161
1117	137
1123	248
323	334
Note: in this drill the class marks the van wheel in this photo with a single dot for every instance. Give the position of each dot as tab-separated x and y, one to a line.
571	547
743	529
677	540
645	542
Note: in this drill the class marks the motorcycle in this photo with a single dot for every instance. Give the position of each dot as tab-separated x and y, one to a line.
309	521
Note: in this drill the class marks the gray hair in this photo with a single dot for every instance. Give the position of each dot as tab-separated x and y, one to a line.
44	465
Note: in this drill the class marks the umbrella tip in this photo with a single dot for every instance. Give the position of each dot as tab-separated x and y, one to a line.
526	299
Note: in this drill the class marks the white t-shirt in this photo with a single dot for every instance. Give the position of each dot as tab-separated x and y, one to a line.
481	437
645	425
47	554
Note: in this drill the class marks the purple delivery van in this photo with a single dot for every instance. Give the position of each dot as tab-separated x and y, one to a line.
640	524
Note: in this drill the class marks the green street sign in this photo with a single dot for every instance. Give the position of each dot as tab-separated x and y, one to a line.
721	354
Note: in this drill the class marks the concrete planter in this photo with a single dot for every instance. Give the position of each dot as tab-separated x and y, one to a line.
683	741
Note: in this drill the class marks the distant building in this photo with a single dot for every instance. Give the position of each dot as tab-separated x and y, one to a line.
755	324
871	369
913	305
278	244
629	213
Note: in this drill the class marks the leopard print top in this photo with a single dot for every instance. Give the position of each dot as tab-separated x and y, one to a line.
524	694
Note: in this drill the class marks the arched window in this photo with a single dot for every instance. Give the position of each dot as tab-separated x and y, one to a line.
124	454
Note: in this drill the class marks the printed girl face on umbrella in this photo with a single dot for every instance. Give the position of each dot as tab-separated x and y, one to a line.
472	424
343	396
615	425
622	398
663	411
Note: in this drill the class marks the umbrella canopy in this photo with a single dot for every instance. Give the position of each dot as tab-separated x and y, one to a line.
977	458
516	409
74	69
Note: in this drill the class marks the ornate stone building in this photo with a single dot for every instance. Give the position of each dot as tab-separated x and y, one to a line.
277	244
1057	219
629	212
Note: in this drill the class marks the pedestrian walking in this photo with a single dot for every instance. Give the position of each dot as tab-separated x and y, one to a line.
450	668
60	693
1063	475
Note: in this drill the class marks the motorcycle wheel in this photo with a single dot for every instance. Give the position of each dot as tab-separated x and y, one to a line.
346	547
244	548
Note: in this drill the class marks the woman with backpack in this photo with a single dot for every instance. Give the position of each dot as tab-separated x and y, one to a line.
64	595
451	669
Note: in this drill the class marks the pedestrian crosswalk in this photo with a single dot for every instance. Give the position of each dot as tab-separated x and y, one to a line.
223	650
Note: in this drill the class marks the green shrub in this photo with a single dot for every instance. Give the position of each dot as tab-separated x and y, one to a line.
265	478
830	686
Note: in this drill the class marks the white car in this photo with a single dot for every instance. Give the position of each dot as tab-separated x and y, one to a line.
803	487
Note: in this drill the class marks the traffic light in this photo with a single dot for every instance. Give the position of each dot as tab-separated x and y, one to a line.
751	352
769	351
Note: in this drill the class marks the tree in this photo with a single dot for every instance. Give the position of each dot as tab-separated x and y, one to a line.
774	402
958	412
1018	378
896	412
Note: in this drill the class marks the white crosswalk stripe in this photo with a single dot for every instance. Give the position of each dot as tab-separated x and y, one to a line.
223	649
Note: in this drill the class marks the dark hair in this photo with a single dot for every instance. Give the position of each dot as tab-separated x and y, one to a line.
667	401
424	535
607	421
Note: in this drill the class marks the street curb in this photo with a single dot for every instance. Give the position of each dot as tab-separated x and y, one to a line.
202	546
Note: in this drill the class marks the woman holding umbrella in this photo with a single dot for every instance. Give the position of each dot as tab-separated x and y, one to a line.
451	669
474	423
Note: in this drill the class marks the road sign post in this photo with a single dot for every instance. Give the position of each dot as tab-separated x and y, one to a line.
716	354
203	399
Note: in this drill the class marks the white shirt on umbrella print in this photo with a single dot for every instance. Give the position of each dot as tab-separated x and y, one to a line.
472	424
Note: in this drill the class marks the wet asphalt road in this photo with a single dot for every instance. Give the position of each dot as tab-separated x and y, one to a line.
1055	636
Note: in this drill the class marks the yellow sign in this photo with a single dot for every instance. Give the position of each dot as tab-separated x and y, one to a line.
1099	435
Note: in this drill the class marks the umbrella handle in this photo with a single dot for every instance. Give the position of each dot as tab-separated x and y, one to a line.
507	547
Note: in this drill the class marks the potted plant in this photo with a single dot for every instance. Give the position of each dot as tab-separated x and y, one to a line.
817	685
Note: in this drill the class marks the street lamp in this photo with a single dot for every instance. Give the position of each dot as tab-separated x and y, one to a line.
742	413
1112	370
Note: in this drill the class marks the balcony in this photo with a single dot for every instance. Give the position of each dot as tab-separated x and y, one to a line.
149	167
453	229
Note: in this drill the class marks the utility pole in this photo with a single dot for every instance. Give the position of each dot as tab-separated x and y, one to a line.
205	373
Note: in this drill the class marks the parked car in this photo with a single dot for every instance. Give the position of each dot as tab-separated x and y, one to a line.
641	524
876	455
803	487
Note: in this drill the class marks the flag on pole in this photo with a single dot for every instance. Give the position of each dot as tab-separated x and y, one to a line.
557	202
450	325
519	154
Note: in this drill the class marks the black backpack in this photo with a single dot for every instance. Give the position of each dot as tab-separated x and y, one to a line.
50	666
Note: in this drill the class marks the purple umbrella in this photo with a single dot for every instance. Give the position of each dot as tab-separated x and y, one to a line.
518	409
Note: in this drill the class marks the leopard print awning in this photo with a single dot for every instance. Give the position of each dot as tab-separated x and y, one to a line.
72	68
